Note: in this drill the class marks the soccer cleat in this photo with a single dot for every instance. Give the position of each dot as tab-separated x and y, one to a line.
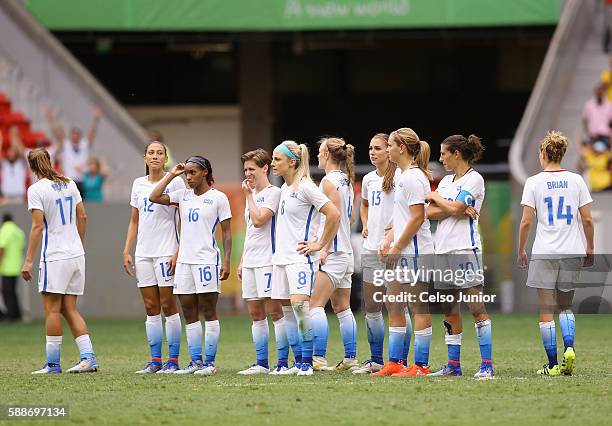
279	370
191	368
254	369
47	369
306	370
413	371
348	364
295	368
169	367
447	370
208	369
485	372
152	367
86	365
319	363
368	367
550	371
567	365
389	369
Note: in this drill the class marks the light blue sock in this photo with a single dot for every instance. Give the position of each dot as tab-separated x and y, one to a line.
155	336
302	314
567	321
53	348
453	345
194	340
396	343
408	337
485	340
293	334
375	325
422	341
548	332
260	333
282	344
173	336
211	339
320	328
348	330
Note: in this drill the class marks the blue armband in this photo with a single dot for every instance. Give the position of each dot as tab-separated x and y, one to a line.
466	198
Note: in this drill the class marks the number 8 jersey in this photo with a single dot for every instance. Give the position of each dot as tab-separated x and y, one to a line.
556	197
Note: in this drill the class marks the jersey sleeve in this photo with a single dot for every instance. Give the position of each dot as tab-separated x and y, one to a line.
134	196
35	201
272	200
176	184
528	198
75	191
414	192
471	190
364	187
224	211
176	196
584	196
314	195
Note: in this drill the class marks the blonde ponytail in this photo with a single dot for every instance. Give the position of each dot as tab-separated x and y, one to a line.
342	153
422	159
416	148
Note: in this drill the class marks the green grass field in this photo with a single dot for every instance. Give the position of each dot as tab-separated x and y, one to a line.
115	395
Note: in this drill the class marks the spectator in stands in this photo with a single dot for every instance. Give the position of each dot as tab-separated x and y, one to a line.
606	78
12	243
73	152
597	115
596	158
13	170
93	180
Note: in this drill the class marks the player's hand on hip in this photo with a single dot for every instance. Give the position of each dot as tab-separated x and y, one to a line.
128	264
522	260
308	247
323	256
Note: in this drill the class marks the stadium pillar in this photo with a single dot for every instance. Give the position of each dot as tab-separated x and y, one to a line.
256	88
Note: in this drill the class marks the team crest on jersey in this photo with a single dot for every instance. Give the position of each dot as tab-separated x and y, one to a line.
207	201
294	195
260	200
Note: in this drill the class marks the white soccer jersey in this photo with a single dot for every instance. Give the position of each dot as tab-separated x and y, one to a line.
342	241
411	189
74	158
298	220
460	232
259	243
380	207
556	196
58	203
200	215
157	225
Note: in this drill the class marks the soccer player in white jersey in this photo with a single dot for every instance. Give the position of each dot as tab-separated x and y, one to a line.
411	251
198	269
376	210
456	205
59	221
334	280
296	258
255	269
154	228
559	200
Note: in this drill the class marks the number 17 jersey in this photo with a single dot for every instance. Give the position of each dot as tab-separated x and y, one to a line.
556	197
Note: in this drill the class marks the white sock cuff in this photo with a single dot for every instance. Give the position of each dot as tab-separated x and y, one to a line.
373	315
345	313
317	311
54	339
424	332
480	324
287	309
193	325
279	323
566	312
453	339
154	319
547	324
212	324
81	338
260	324
173	318
397	329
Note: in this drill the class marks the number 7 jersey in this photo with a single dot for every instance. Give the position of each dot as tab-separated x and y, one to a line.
556	197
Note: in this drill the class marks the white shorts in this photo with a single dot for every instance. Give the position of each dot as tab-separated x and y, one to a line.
459	269
296	278
152	271
413	269
554	274
371	265
256	282
196	279
339	268
65	276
